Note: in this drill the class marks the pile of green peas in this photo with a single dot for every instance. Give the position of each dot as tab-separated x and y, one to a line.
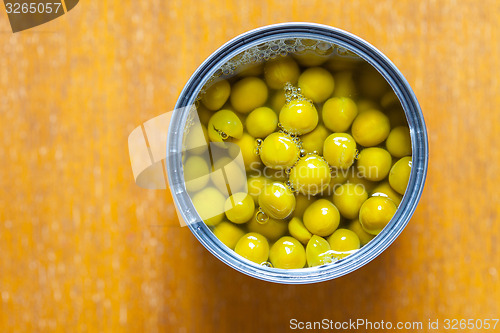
327	158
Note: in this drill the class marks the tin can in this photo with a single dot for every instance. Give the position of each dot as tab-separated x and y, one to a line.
345	42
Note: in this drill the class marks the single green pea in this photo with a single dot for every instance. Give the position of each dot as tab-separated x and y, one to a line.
209	204
277	201
318	251
384	189
310	175
338	113
248	148
248	94
370	128
321	217
339	150
287	253
216	95
228	233
400	174
272	229
348	198
375	214
280	71
317	84
298	117
196	173
297	229
239	207
261	122
224	124
313	141
363	236
398	142
279	151
343	242
254	247
374	163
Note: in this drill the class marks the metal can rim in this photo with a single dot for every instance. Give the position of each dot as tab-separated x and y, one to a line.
412	111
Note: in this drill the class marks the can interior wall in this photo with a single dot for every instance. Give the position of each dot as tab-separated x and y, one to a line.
367	52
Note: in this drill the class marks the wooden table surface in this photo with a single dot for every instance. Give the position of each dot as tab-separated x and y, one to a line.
83	249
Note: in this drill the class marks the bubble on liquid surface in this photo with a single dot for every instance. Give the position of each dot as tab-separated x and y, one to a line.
267	264
261	217
274	49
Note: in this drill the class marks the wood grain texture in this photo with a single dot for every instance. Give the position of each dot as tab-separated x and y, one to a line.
82	249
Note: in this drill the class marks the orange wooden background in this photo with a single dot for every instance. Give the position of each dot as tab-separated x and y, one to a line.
83	249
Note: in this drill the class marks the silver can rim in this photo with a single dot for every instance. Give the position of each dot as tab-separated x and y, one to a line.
398	83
